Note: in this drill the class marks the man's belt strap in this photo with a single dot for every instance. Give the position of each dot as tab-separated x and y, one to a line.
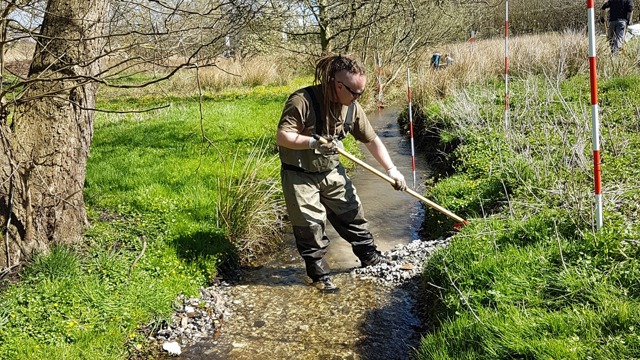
299	169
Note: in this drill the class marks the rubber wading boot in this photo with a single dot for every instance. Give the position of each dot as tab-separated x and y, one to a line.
325	285
375	259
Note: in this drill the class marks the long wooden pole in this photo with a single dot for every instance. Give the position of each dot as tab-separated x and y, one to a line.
391	181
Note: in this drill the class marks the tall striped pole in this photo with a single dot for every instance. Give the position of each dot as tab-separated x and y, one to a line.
413	154
595	127
506	64
379	64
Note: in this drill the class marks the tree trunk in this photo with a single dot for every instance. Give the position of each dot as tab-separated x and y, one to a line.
46	145
326	45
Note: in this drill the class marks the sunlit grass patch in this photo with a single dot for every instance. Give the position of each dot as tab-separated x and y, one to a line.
530	277
152	192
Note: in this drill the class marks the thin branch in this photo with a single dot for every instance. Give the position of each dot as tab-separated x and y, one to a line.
555	226
462	296
204	135
144	247
119	111
125	111
8	224
7	270
506	193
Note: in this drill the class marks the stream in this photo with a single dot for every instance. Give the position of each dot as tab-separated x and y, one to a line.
275	314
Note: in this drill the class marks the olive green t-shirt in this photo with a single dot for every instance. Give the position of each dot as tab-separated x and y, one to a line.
299	116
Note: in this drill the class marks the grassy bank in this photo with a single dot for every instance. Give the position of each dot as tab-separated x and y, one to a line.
530	277
185	188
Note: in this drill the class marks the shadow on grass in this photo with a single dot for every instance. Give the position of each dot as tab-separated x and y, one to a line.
211	251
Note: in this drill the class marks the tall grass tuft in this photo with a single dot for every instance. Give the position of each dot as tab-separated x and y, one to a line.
257	71
59	262
555	55
249	205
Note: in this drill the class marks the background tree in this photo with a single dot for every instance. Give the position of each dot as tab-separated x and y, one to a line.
394	30
321	26
47	114
313	27
486	17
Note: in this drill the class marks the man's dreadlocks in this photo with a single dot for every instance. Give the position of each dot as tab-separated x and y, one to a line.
326	69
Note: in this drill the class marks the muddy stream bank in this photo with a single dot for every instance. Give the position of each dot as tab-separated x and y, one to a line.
272	313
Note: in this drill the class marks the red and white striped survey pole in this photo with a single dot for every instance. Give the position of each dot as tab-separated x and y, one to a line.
413	155
379	77
506	64
595	127
472	40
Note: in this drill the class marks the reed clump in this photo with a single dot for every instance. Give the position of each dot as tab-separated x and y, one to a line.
555	55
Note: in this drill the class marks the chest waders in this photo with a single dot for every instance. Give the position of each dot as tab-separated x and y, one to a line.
314	197
320	119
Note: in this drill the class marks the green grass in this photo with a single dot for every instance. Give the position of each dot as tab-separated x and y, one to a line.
154	177
529	278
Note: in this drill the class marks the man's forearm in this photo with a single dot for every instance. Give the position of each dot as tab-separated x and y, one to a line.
380	153
292	140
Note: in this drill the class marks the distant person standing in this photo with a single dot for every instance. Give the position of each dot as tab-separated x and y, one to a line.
435	61
620	13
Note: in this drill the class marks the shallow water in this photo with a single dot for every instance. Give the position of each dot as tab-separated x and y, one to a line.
274	314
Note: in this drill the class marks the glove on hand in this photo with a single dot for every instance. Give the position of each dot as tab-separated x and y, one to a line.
329	148
400	184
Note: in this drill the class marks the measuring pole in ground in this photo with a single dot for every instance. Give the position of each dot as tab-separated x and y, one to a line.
379	64
472	40
595	127
506	64
413	154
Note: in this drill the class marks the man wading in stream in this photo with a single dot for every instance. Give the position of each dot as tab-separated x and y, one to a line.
315	184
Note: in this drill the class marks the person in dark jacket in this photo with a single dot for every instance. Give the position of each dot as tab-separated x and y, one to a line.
620	15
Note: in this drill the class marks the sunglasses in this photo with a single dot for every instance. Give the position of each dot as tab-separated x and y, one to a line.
355	94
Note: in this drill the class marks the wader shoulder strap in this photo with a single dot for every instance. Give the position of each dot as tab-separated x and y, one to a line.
348	121
317	109
320	120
